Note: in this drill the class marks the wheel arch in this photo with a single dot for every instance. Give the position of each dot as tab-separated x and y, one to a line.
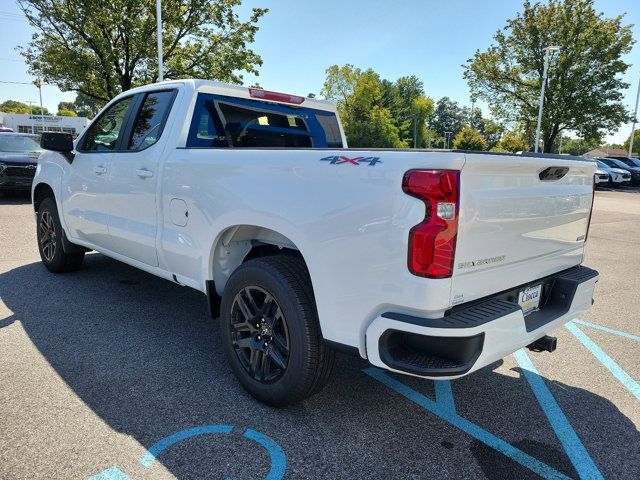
41	191
237	244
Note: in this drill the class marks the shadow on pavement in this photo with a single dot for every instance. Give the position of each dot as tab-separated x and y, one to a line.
11	197
142	353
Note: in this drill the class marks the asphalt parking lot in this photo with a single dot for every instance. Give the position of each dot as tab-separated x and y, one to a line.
111	373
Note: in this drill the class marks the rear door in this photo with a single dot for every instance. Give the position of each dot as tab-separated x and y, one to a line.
133	179
521	218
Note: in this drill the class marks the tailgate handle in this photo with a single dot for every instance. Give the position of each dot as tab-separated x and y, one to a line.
553	173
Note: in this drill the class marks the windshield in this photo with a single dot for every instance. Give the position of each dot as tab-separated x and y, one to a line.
19	144
632	162
614	163
602	164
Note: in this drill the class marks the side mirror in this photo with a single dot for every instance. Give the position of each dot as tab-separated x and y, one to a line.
58	142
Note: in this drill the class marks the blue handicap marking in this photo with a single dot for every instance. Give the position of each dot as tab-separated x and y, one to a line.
446	411
616	370
111	473
157	448
574	448
276	454
620	333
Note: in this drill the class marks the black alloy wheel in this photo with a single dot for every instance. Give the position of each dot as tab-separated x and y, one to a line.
271	333
259	334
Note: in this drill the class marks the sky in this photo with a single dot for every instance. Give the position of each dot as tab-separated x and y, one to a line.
299	39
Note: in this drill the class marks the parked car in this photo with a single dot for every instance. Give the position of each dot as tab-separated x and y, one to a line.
601	177
617	176
19	154
6	129
633	170
631	162
433	264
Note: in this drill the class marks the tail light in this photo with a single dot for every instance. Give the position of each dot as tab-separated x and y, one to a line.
276	96
432	243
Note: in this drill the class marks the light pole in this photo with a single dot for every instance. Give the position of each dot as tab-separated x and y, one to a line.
159	32
447	136
38	84
560	149
633	125
544	82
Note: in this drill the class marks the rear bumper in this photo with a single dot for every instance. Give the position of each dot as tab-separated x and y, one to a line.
472	336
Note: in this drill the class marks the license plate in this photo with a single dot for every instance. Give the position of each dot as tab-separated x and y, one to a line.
529	299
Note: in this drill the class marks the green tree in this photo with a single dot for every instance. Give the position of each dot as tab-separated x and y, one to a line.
86	106
513	142
101	48
584	89
636	143
492	132
579	146
360	97
67	113
447	117
13	106
469	139
66	106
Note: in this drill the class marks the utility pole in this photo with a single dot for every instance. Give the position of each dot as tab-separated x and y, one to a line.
415	138
38	84
159	32
560	149
633	125
30	102
544	82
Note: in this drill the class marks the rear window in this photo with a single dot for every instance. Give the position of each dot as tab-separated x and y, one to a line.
227	122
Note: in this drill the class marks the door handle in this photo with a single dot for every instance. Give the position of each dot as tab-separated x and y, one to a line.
100	170
144	173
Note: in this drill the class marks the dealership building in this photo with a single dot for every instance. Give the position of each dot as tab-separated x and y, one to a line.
26	123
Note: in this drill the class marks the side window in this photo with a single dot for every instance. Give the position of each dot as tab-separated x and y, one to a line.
103	134
150	121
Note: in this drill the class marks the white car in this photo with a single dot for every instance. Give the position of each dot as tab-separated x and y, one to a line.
428	263
617	176
601	177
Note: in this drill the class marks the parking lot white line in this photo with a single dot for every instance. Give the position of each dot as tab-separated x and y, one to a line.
623	377
466	426
608	330
572	445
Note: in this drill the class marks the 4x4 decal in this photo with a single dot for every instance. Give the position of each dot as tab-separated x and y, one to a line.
340	159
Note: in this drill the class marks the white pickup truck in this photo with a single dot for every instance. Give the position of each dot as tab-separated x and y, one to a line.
428	263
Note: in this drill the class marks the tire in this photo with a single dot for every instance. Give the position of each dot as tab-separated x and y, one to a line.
270	299
49	233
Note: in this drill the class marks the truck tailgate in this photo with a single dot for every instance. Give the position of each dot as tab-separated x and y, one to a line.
515	227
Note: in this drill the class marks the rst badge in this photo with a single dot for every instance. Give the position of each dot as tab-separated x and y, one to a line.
341	160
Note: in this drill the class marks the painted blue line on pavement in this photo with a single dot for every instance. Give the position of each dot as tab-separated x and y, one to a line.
444	396
609	330
468	427
623	377
278	459
576	451
156	449
111	473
